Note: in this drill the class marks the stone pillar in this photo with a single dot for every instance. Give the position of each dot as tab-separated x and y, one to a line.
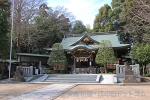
137	69
117	69
40	67
121	69
31	70
74	69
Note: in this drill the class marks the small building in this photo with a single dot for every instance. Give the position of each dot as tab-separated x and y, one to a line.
37	61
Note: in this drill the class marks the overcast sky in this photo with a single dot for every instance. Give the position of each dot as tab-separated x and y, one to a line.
84	10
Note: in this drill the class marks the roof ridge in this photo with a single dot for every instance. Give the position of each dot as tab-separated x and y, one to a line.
83	37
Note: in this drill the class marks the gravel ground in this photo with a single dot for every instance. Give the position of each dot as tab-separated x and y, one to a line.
107	92
10	90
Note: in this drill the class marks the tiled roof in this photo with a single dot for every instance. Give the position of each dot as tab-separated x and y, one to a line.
69	40
30	54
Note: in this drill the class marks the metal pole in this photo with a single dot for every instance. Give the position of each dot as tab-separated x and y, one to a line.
12	28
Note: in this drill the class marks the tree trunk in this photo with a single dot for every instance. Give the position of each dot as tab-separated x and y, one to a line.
144	69
105	68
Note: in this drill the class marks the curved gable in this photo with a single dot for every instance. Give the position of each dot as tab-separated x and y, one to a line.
85	39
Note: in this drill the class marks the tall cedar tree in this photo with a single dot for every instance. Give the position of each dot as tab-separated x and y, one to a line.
57	58
4	28
105	54
102	22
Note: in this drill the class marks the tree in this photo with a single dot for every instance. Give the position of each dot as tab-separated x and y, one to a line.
88	29
24	12
140	10
140	18
78	27
4	28
105	54
50	25
45	28
141	54
117	8
102	22
57	57
135	17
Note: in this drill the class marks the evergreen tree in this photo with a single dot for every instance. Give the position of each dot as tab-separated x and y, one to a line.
57	58
105	54
4	28
117	8
49	27
78	27
141	54
102	22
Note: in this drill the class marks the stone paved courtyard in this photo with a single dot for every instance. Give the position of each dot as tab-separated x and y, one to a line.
72	92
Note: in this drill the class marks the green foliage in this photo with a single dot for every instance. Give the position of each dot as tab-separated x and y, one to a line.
108	19
102	22
40	28
50	25
147	75
78	28
4	28
125	15
57	57
117	9
105	53
89	30
49	71
141	54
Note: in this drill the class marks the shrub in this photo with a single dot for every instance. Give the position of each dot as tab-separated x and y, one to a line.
49	72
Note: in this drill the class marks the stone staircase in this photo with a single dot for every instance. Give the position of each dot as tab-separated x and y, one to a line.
72	78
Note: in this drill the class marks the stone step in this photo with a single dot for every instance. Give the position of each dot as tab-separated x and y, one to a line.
72	75
70	81
73	78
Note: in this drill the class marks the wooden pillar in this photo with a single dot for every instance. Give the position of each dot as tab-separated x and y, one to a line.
90	64
74	69
116	54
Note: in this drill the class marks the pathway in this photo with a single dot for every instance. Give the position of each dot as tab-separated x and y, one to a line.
49	92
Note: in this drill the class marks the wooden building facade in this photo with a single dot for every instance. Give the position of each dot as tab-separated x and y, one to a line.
81	50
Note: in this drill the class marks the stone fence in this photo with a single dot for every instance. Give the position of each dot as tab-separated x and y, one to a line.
120	70
27	71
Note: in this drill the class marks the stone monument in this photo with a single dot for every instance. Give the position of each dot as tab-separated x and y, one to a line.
19	75
129	76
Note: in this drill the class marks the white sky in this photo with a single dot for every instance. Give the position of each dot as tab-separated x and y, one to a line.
84	10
